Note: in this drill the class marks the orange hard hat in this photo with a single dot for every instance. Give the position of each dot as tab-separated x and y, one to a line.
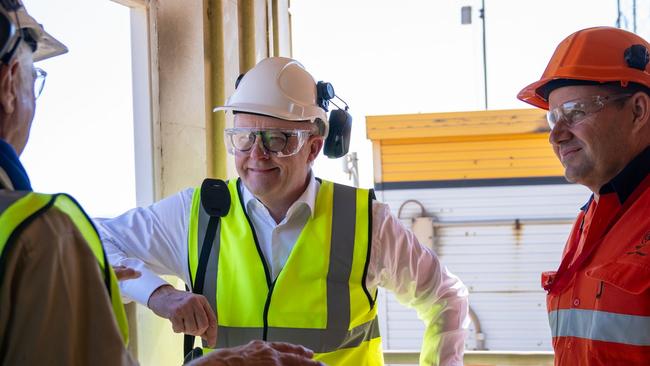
592	56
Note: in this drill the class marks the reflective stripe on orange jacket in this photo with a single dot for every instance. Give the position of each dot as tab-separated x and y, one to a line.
599	299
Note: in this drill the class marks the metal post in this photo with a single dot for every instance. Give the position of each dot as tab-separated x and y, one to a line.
485	79
634	15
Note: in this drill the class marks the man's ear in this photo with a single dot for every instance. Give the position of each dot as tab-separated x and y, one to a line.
8	77
315	146
641	111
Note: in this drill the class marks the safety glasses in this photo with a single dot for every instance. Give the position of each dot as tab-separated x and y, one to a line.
575	111
279	142
39	81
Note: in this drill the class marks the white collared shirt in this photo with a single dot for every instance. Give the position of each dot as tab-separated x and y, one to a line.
153	240
277	240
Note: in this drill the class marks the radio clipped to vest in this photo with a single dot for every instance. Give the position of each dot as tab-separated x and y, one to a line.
215	201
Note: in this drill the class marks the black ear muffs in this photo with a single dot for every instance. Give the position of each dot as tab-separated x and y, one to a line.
340	122
337	143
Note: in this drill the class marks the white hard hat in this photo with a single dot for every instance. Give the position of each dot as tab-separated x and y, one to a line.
279	87
46	45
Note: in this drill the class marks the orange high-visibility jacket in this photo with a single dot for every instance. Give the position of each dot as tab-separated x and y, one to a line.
599	299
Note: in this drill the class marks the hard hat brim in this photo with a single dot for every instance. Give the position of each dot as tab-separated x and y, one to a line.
256	109
531	94
47	45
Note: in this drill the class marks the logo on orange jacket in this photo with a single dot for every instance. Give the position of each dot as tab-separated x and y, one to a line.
641	248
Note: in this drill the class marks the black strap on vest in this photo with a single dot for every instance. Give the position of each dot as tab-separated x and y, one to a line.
215	201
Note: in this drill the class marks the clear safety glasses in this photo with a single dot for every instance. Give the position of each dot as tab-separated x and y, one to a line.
575	111
39	81
279	142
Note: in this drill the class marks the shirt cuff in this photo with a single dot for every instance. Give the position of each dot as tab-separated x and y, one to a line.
141	289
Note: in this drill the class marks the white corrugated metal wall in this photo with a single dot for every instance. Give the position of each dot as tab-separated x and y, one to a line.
500	264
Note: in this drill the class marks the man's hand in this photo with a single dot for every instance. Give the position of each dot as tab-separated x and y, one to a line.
124	273
188	312
258	353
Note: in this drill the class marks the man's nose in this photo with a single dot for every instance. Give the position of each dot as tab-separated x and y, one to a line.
560	133
258	151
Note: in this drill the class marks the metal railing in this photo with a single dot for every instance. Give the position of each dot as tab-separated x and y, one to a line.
482	358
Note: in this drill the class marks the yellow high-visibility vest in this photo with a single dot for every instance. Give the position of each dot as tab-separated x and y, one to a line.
319	299
18	208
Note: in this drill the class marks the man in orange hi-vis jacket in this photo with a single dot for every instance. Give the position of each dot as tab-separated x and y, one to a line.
596	89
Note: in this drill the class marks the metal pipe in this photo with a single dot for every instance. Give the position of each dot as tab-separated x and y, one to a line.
246	18
422	210
505	222
276	27
480	337
634	15
485	79
351	167
215	89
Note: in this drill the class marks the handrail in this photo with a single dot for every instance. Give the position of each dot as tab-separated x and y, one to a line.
483	358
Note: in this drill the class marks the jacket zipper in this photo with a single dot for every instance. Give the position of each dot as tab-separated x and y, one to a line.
267	305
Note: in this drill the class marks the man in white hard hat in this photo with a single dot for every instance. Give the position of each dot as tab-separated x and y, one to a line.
278	254
59	299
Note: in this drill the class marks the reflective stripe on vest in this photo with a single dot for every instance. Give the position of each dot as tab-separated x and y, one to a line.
345	315
601	326
315	339
18	209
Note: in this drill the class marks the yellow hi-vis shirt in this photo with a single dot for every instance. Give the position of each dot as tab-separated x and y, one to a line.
19	208
319	299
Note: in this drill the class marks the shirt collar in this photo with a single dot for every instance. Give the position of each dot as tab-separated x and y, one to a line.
585	207
307	199
12	168
630	177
